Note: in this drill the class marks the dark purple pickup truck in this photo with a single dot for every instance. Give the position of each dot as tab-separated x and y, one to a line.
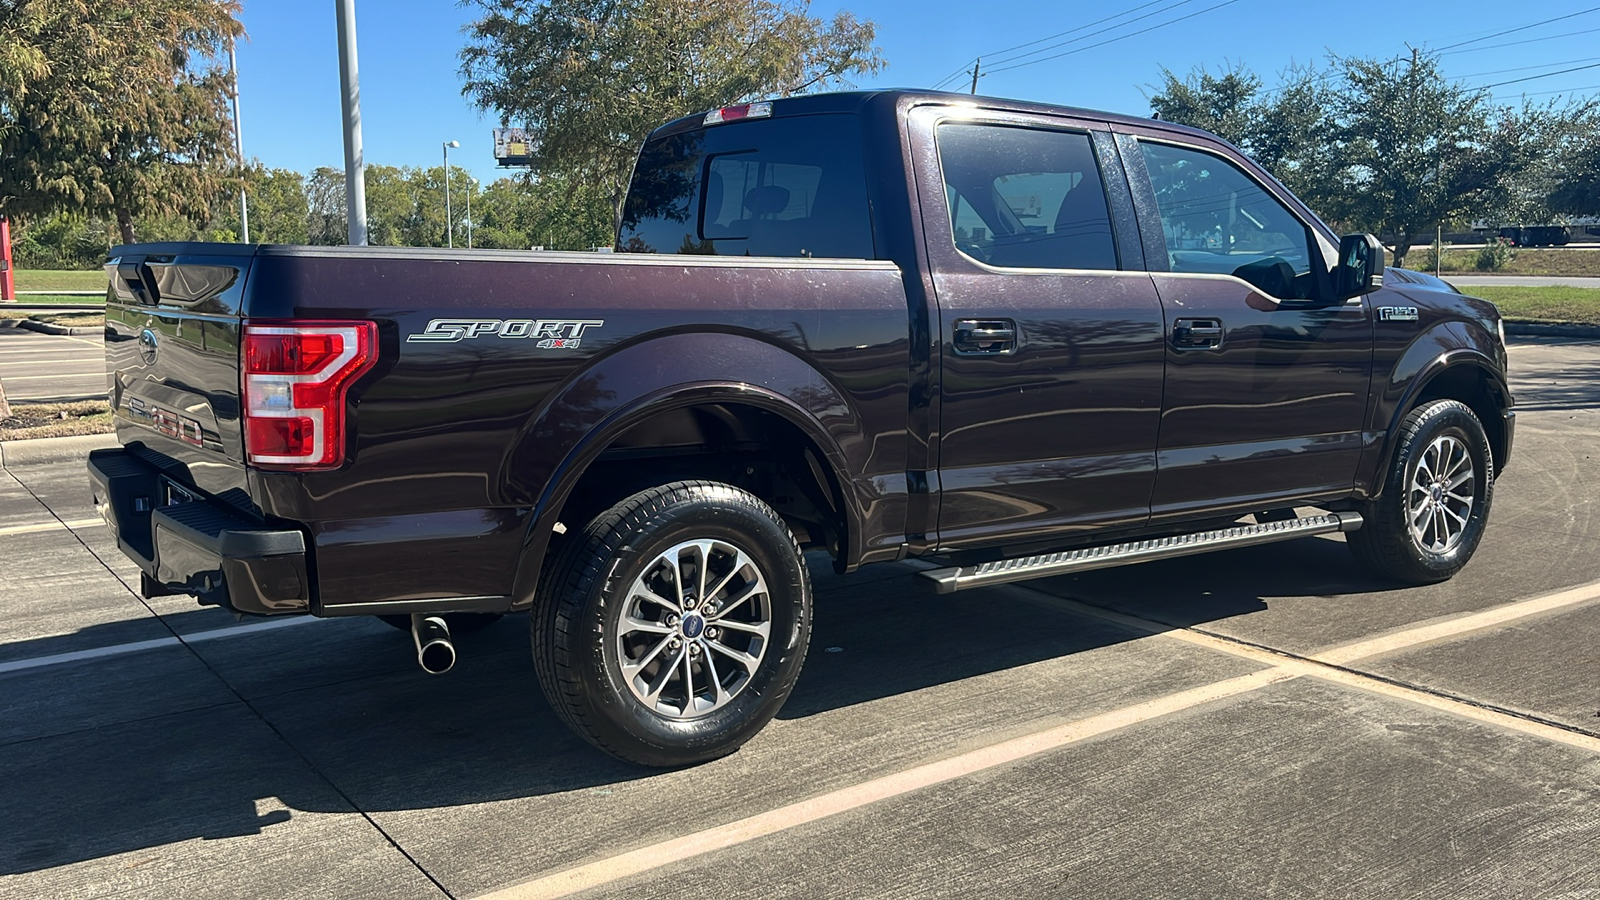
1013	339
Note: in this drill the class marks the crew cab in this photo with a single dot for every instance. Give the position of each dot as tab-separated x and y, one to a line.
1009	338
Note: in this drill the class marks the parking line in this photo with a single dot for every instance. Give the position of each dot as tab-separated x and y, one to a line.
1282	667
783	818
71	524
64	376
39	662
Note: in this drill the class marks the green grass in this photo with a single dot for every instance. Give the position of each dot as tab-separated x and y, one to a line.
39	420
1462	259
60	280
60	299
1543	304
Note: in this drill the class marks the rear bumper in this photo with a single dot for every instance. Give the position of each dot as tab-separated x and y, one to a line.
202	547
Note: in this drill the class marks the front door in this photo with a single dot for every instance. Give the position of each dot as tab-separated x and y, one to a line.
1051	338
1266	380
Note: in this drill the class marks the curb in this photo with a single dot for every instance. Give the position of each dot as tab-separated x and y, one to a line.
1540	329
44	450
47	328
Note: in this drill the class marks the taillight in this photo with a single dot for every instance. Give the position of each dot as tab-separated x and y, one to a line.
296	375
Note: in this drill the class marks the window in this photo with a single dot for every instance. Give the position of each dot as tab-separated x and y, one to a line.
1026	198
1219	221
766	187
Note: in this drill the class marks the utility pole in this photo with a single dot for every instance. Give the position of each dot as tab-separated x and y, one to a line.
472	185
238	146
355	166
977	64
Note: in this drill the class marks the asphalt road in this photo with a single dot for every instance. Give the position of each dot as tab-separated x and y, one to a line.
1265	722
51	367
1586	281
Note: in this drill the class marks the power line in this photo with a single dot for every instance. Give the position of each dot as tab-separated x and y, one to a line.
1074	30
1548	37
1091	34
1536	77
1572	90
1115	39
1526	68
1581	12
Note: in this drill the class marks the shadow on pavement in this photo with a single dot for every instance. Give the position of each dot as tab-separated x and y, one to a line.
393	738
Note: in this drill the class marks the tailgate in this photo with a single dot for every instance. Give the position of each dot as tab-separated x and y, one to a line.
173	319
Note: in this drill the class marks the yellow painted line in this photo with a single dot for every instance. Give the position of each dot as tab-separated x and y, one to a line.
1456	626
1281	667
721	837
51	526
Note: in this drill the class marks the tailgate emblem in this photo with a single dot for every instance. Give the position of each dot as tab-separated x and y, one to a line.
147	347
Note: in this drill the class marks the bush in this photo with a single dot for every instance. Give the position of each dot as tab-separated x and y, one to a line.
1494	256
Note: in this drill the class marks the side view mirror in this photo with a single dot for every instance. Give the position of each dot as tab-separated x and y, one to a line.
1360	268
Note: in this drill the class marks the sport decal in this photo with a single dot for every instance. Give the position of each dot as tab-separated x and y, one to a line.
551	334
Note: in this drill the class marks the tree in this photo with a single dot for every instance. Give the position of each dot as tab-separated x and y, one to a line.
1414	150
591	78
1228	106
1578	191
115	107
326	222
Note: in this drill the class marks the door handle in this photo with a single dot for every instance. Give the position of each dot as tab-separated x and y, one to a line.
1197	334
985	336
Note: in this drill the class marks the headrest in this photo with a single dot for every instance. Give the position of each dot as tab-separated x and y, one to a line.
767	200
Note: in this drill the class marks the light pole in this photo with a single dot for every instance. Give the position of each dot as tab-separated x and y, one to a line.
472	186
355	166
238	147
449	224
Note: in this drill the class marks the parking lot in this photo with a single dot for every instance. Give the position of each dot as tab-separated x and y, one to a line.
1259	722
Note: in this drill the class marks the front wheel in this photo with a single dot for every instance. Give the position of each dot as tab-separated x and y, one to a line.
673	628
1435	501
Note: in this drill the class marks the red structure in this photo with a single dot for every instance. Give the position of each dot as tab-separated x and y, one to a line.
8	287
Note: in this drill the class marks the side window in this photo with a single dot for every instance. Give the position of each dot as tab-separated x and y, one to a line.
787	186
1025	197
1219	221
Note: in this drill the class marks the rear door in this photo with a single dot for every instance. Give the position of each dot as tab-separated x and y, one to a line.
1266	380
1050	330
172	354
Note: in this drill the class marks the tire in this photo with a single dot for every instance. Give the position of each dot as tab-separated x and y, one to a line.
1429	482
609	612
458	623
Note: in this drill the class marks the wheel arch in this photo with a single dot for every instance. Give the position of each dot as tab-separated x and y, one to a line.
1464	373
565	440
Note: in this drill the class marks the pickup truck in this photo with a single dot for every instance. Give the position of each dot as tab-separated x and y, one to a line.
1010	339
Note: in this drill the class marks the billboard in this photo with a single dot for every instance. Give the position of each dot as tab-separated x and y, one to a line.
513	147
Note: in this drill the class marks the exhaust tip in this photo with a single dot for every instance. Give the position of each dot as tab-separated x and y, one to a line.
435	653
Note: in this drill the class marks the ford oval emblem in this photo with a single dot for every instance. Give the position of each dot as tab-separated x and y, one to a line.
147	347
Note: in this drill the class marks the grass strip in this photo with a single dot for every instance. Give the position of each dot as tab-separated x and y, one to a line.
1575	305
42	420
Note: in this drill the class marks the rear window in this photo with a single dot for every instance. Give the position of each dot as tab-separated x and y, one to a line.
770	187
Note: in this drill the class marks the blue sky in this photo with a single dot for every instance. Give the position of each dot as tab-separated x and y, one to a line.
411	92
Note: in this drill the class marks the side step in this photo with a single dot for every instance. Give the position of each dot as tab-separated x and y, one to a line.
1044	565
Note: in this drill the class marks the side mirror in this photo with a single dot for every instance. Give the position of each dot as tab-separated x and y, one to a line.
1360	268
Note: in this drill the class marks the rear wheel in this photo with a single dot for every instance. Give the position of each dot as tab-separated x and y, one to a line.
673	628
1435	500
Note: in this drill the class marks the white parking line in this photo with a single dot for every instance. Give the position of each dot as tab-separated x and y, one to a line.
50	526
96	375
39	662
1281	668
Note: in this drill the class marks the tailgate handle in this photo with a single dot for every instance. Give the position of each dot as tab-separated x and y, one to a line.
140	280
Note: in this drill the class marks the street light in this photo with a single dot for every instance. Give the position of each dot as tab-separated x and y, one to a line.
472	186
449	225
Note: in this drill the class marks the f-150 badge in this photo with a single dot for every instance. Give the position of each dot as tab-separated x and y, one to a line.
551	334
1397	314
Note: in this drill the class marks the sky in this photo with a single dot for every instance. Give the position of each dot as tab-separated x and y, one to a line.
411	99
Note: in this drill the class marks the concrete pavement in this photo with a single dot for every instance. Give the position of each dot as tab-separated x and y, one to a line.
47	367
1154	749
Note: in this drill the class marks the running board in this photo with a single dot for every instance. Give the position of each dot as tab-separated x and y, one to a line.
1044	565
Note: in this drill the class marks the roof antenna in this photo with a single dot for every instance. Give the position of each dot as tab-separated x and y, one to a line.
1156	115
